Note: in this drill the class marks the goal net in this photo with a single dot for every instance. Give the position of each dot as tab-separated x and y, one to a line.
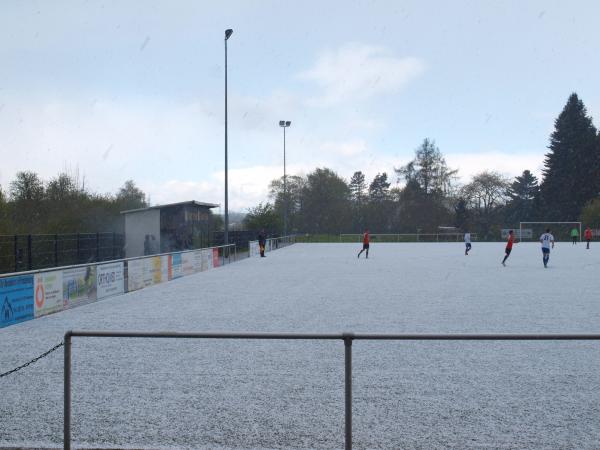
562	231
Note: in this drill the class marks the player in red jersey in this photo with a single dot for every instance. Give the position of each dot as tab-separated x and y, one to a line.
509	246
365	243
588	236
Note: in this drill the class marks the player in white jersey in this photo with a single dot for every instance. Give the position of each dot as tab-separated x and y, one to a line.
467	242
546	240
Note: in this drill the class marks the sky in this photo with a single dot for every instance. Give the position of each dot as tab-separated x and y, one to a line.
118	90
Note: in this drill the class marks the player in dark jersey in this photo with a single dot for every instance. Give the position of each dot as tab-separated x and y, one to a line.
365	244
509	246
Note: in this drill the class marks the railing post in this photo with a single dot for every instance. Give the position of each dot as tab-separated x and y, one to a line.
348	388
67	394
97	246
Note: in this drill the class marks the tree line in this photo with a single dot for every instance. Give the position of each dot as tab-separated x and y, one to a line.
63	205
424	194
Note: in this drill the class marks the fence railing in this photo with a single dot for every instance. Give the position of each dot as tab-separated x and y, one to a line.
347	338
407	237
271	244
37	251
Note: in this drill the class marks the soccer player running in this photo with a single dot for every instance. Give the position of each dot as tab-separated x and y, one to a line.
365	244
467	242
509	246
546	239
588	237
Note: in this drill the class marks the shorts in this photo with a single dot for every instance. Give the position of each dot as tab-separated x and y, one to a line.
545	251
507	251
468	245
365	246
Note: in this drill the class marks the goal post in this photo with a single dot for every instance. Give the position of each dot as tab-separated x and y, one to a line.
526	229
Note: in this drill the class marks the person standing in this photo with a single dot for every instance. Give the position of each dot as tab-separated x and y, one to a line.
365	244
588	236
546	240
262	242
509	246
575	235
467	242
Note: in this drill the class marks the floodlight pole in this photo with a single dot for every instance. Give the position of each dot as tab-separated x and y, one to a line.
284	124
228	33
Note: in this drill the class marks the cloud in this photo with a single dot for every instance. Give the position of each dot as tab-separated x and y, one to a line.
358	72
509	164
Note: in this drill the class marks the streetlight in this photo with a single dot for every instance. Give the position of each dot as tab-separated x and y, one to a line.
228	33
284	124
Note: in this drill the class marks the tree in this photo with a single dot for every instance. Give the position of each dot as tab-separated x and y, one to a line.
27	186
131	197
523	194
429	170
326	202
590	215
379	189
358	187
63	187
485	195
264	217
572	166
294	188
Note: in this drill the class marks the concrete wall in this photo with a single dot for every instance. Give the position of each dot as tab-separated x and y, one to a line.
137	226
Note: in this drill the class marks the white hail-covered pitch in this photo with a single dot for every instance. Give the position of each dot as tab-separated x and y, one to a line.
248	394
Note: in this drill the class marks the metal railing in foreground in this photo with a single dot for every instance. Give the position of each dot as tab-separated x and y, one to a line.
347	338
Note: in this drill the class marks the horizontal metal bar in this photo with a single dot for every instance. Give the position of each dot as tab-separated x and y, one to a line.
334	336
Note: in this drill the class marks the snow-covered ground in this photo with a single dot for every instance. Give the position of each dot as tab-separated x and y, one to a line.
276	394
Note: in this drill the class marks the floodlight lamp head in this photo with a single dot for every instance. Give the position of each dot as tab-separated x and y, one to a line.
228	33
288	123
282	123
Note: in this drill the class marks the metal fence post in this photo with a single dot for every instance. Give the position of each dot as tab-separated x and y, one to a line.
97	247
67	394
348	388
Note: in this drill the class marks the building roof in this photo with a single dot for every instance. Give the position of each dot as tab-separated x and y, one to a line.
171	205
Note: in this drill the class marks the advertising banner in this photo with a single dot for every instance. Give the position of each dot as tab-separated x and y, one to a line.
187	263
216	262
16	300
175	269
79	286
154	266
198	261
254	249
135	274
110	280
208	258
48	293
165	268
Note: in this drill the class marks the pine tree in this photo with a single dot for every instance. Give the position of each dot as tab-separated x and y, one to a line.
379	189
572	167
357	187
522	195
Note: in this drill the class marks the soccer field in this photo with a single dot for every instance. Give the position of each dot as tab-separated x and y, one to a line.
274	394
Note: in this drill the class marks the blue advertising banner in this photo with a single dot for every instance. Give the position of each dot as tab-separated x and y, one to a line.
16	300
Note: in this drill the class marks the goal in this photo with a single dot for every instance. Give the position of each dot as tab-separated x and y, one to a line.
560	230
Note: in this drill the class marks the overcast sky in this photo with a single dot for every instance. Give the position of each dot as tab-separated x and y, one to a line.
135	89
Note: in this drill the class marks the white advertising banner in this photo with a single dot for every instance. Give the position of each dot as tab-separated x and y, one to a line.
110	280
187	263
197	257
141	273
208	258
164	268
48	293
254	248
